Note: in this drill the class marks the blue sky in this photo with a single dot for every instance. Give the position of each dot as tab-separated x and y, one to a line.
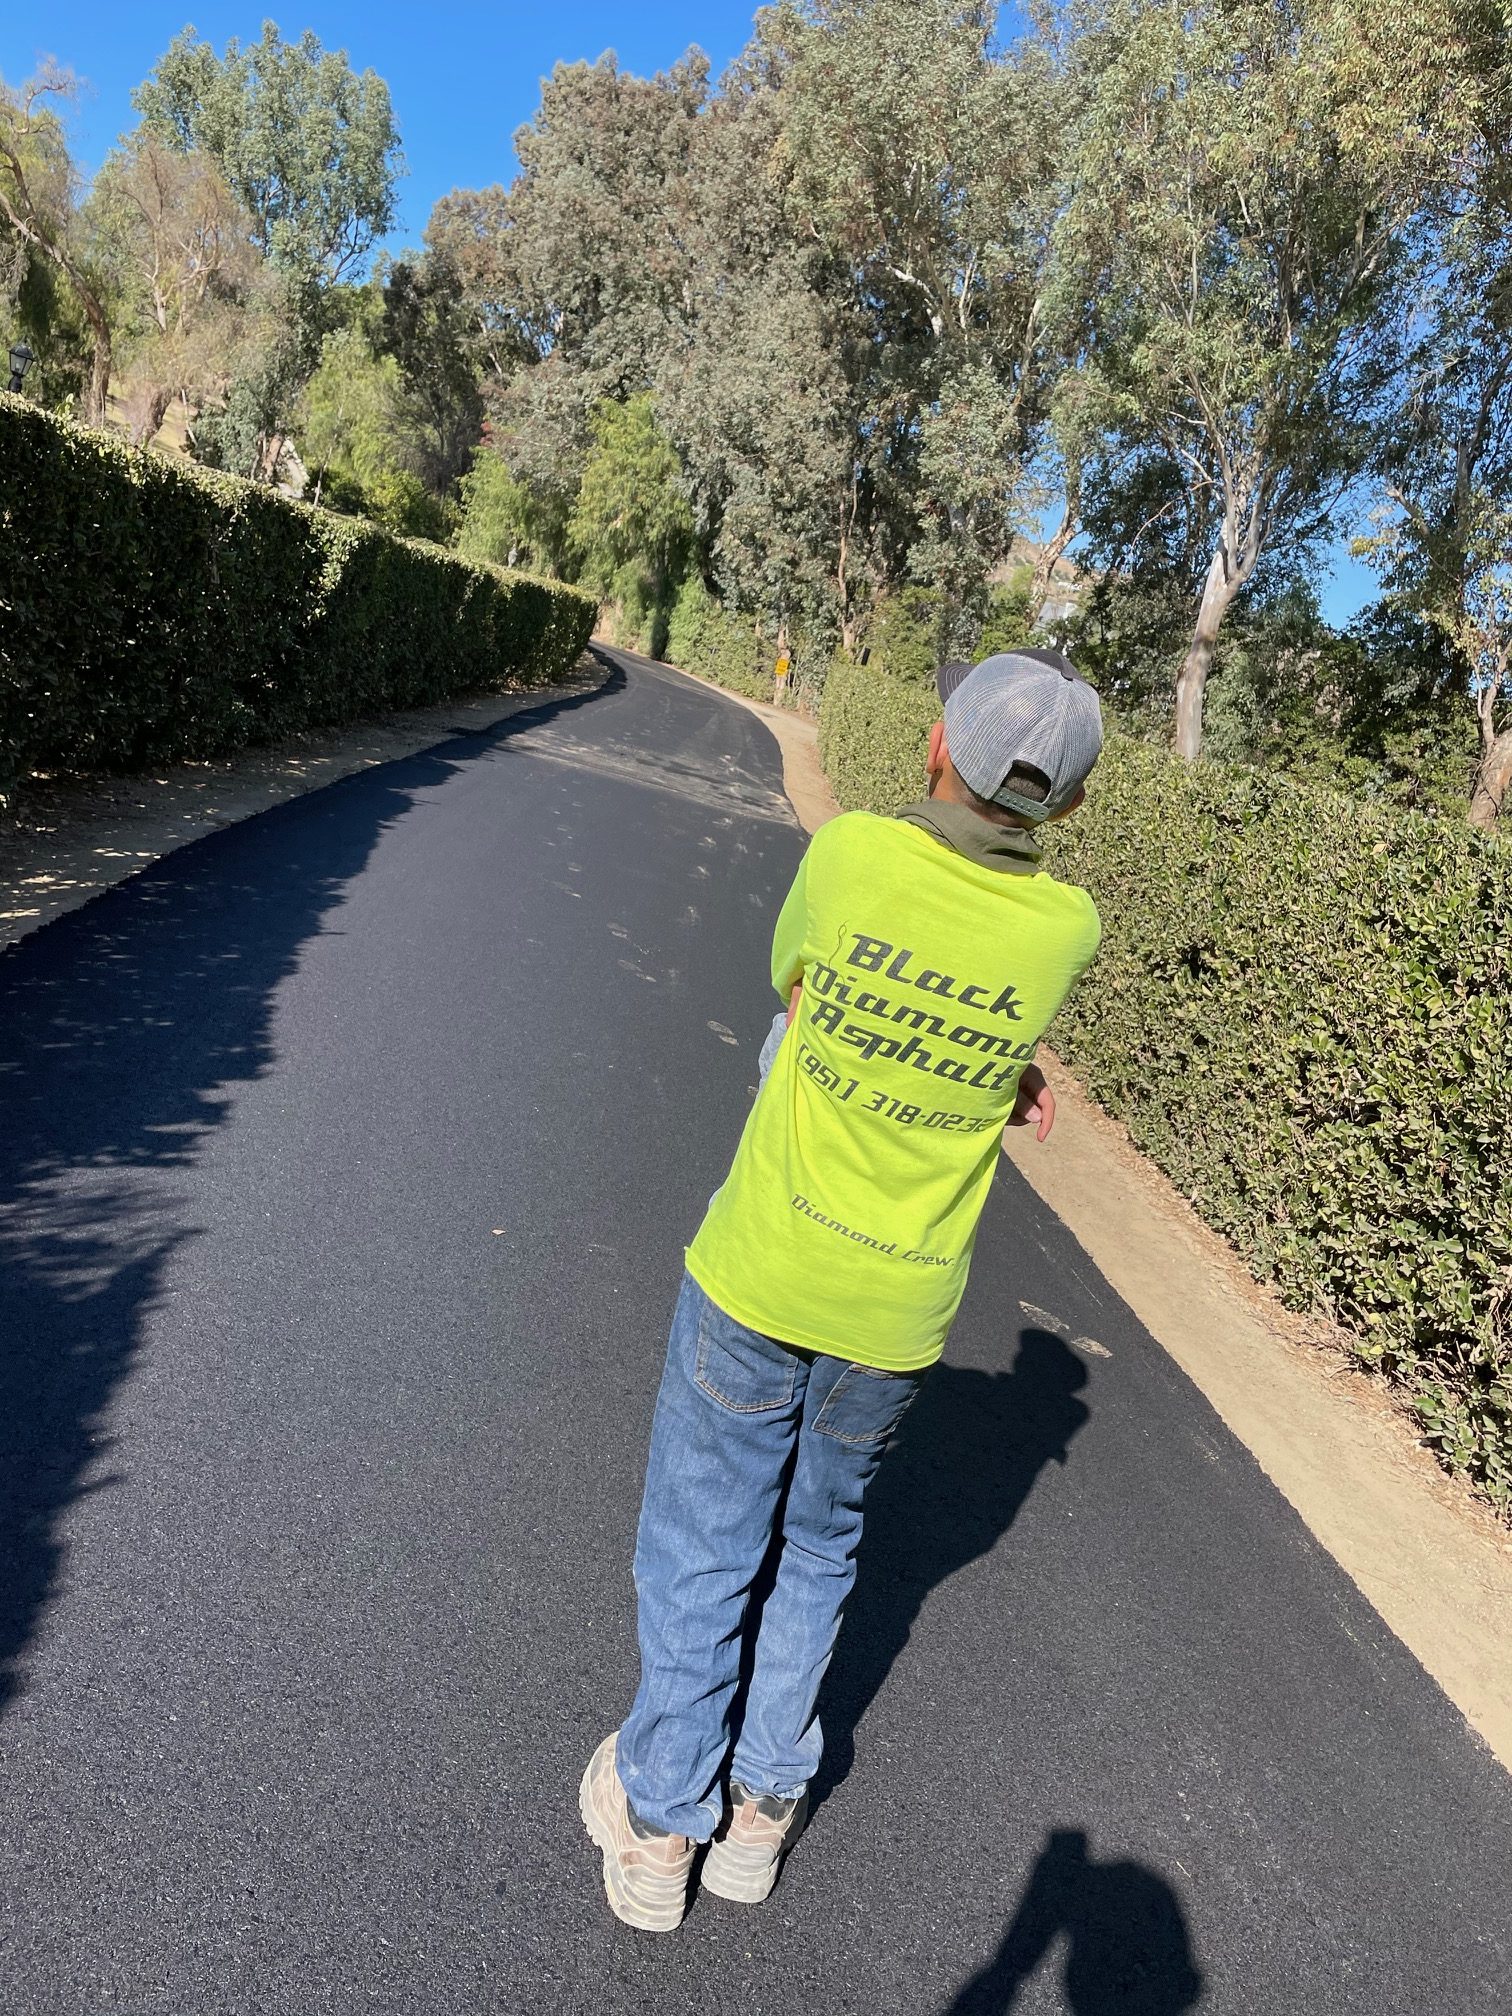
462	80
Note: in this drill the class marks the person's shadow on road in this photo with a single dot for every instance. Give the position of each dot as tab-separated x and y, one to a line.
1127	1949
967	1456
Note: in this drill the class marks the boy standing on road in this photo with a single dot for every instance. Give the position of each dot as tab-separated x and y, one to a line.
922	958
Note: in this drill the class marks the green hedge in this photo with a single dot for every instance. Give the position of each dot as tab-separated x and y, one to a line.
733	649
151	609
1303	1012
704	637
872	735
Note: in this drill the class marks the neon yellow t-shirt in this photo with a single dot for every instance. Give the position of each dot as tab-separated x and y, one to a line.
846	1222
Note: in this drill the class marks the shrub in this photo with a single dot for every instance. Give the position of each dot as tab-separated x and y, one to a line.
903	633
1303	1012
721	644
872	734
151	609
1006	624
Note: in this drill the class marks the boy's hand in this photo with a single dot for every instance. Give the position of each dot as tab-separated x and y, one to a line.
1035	1102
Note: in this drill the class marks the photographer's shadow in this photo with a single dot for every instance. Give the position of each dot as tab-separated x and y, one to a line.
968	1454
1127	1948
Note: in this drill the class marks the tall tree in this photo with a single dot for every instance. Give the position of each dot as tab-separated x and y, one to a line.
364	449
471	232
631	526
752	385
1445	546
39	203
424	328
1248	180
923	159
186	265
308	145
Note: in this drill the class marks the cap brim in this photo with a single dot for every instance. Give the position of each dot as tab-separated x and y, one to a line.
949	677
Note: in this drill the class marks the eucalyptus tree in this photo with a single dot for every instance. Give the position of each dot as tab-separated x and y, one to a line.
923	160
424	328
594	228
308	144
571	279
186	269
40	209
1248	186
309	147
1444	546
631	525
752	383
470	232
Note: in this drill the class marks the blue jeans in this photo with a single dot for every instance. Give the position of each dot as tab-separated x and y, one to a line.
734	1408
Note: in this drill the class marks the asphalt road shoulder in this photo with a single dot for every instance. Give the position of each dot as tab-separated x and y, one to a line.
66	840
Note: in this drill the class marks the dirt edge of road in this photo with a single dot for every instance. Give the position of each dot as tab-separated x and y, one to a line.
68	840
1433	1563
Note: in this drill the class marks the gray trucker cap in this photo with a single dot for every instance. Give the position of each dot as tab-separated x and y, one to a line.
1031	707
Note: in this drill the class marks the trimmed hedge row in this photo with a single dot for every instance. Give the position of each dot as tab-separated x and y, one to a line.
872	734
151	609
1303	1012
733	650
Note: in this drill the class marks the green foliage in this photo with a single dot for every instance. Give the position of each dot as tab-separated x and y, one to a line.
632	526
873	729
1302	1010
911	632
152	609
1376	711
423	327
1007	623
41	223
278	347
718	643
307	144
923	162
188	282
43	314
498	515
903	635
359	444
1223	151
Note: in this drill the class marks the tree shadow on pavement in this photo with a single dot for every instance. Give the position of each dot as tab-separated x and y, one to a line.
125	1028
1127	1948
967	1457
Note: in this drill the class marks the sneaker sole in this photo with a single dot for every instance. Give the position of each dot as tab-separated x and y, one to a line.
635	1897
746	1872
740	1873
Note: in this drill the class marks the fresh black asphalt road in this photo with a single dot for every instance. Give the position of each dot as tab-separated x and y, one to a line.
347	1158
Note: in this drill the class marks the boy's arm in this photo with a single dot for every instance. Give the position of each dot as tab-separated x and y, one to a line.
1035	1102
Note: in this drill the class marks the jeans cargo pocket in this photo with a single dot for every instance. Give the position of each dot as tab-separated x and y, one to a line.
865	1404
741	1369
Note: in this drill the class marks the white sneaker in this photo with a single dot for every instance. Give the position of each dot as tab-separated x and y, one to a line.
645	1874
747	1851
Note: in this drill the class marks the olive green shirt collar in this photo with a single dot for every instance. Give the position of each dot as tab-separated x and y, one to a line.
1010	849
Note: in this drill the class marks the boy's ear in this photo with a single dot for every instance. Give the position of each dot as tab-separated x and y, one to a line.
937	748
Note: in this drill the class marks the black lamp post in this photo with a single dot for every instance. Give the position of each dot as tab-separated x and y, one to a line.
20	358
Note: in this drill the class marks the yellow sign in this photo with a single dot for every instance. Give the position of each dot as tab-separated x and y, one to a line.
782	667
